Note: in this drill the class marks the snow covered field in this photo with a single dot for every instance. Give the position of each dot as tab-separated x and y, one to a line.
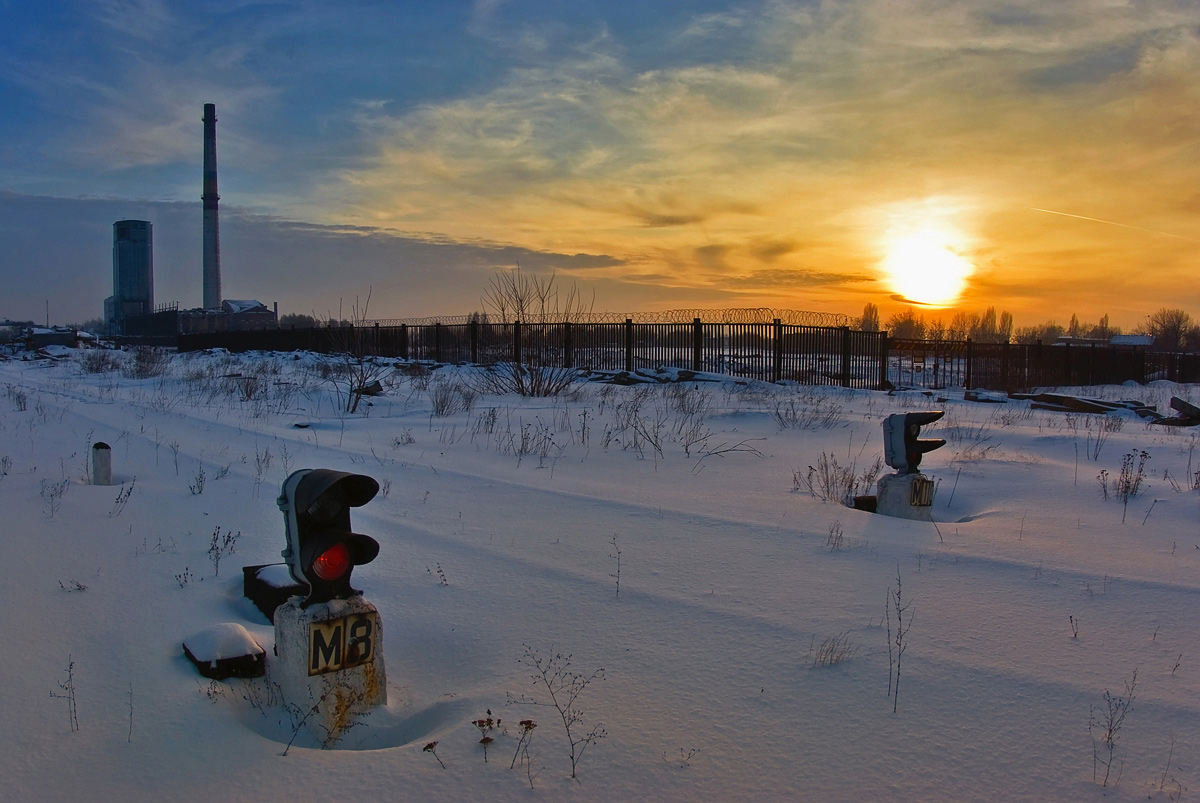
501	520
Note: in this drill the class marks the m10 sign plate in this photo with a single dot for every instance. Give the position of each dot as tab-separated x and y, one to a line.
342	643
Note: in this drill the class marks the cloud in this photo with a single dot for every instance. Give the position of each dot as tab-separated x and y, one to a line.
718	144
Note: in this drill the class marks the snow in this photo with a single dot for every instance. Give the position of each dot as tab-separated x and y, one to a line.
226	640
500	527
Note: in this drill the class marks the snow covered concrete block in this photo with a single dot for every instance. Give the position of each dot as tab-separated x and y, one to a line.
905	496
270	586
330	655
226	651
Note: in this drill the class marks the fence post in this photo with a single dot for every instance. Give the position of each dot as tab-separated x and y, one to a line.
516	342
475	342
777	336
697	344
629	344
404	341
568	345
1004	366
883	360
845	356
970	357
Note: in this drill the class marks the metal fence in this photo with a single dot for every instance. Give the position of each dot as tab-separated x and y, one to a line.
1018	366
770	351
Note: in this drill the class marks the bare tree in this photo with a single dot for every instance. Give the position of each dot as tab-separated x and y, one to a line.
520	297
1169	328
869	322
906	325
356	345
538	304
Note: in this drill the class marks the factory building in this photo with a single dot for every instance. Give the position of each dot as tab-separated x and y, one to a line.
130	311
133	273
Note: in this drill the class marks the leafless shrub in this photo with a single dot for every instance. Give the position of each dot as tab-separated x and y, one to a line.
562	686
834	650
122	499
828	480
52	494
197	485
220	545
357	362
19	398
690	401
1129	483
147	362
346	699
537	381
1105	425
67	692
1104	726
432	748
836	539
99	361
898	638
817	414
486	726
447	397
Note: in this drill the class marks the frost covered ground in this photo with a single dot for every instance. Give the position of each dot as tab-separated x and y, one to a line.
500	522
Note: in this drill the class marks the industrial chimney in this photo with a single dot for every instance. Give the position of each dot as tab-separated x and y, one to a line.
212	233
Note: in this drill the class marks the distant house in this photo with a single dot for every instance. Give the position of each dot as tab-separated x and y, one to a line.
1068	340
1144	341
234	316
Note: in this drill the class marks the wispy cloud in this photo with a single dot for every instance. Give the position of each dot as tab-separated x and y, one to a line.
829	111
692	149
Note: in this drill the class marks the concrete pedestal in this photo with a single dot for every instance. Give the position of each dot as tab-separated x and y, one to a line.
101	464
905	496
330	655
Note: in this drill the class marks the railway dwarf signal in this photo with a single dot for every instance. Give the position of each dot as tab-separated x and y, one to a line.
322	550
903	445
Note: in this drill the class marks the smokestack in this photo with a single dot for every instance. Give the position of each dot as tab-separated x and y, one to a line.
212	228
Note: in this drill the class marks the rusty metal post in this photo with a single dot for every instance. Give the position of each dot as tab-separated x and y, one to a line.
568	345
629	344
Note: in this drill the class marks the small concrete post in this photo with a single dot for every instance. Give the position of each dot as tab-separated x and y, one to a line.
905	496
330	655
101	464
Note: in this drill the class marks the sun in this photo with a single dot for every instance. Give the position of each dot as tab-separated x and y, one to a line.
926	265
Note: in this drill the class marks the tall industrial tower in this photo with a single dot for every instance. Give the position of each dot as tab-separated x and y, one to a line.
212	232
133	273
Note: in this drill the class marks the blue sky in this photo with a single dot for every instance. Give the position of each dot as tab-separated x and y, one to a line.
665	154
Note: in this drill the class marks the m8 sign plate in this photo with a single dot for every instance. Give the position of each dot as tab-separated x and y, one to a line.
342	643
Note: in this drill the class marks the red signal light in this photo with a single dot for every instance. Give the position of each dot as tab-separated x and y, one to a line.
333	562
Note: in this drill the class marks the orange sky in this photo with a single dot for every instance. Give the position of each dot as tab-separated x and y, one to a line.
776	179
674	154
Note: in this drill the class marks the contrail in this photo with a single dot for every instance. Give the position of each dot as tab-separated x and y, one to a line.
1114	223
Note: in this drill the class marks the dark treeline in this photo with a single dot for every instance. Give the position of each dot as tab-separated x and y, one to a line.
1173	330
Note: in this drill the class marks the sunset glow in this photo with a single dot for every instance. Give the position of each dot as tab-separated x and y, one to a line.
923	267
707	154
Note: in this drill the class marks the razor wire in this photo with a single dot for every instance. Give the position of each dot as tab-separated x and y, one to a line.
759	315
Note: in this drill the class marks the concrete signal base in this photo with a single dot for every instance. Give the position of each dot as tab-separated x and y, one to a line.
330	655
905	496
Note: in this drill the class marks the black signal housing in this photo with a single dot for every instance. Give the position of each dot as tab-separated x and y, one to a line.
903	445
322	549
